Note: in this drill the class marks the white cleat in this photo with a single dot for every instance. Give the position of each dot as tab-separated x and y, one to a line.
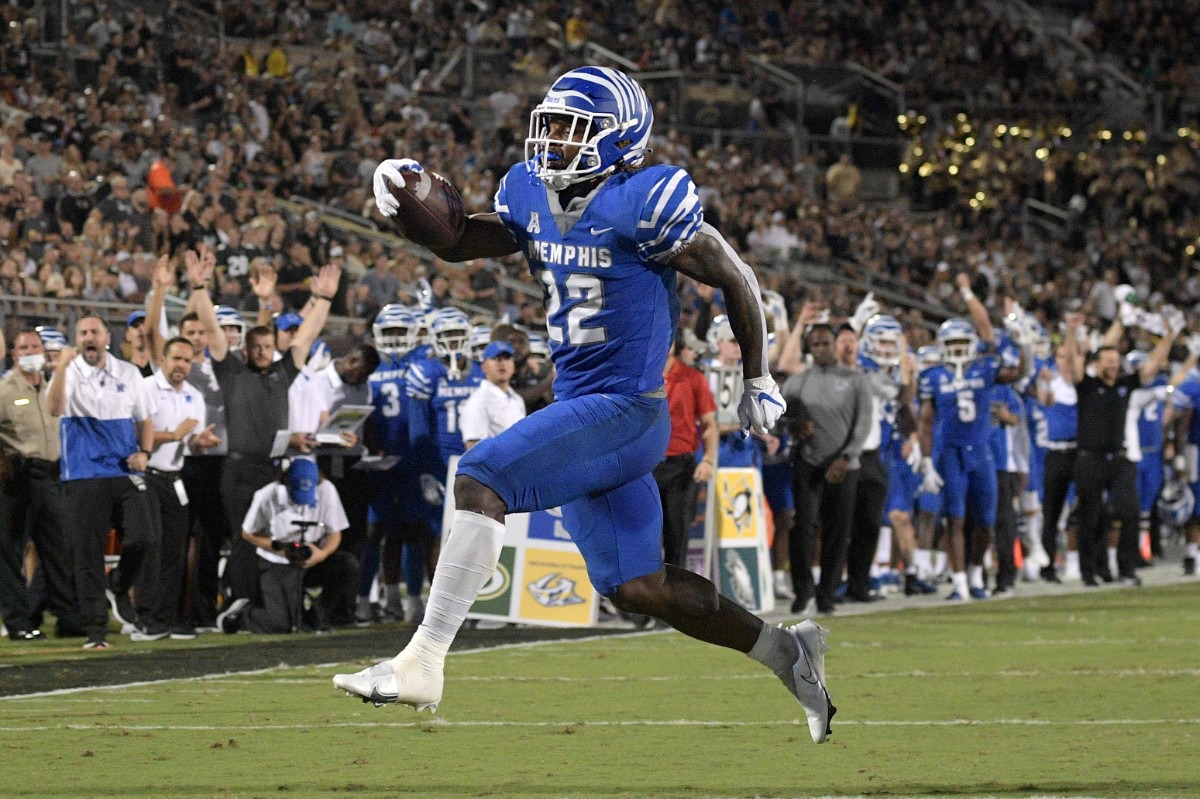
401	680
807	678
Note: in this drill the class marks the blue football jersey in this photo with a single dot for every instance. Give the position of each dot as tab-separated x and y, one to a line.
1186	396
611	302
888	408
1002	434
434	409
389	421
1150	418
962	413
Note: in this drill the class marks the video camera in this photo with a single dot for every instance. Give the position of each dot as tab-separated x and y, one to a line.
297	552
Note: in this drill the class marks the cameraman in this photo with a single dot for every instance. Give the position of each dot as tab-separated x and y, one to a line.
296	525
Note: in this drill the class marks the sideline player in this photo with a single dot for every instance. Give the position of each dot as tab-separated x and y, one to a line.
605	236
956	417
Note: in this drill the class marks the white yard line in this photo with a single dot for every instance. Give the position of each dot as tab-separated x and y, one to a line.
440	722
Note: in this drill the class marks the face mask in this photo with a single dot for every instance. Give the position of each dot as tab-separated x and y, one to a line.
31	363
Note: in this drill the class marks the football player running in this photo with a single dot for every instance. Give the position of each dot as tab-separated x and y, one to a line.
605	235
956	417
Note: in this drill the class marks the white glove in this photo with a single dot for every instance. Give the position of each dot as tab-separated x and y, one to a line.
1153	324
432	489
761	404
1175	319
932	482
914	458
389	171
1193	344
1129	314
865	310
1125	293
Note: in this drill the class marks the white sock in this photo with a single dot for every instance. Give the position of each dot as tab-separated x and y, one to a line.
774	648
1072	562
959	580
940	559
975	576
923	561
467	561
1191	550
883	549
1112	559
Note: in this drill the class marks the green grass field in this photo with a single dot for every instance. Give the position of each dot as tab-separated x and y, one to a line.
1090	694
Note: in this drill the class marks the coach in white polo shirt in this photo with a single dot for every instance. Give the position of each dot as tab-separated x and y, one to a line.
493	407
180	419
107	435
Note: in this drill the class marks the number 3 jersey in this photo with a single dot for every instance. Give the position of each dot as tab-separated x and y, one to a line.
389	422
611	304
962	409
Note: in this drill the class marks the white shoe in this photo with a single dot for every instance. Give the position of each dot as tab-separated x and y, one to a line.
783	586
806	680
400	680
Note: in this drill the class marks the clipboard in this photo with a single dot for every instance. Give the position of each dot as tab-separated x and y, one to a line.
346	419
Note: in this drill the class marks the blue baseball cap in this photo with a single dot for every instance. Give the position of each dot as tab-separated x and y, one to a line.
302	479
496	349
288	321
134	318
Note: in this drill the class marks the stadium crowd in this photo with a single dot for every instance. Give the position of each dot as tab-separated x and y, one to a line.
178	151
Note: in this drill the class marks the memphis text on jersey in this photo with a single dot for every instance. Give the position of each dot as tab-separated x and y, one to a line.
569	255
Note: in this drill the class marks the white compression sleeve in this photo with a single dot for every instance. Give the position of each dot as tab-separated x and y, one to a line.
467	561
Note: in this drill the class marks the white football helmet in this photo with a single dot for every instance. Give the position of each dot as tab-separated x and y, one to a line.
481	336
958	343
450	334
881	340
395	329
229	318
610	120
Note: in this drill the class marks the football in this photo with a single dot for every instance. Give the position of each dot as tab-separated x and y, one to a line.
431	210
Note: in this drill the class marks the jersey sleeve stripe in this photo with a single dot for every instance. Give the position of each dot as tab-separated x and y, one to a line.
418	385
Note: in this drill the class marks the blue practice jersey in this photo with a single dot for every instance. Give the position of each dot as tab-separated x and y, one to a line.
611	302
389	421
962	410
436	399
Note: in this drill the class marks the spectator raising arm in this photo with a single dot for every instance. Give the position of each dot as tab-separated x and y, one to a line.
164	281
199	273
315	312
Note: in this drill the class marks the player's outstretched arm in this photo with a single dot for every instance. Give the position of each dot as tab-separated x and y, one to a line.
484	237
710	260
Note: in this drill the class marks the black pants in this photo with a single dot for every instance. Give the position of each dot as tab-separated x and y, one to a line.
870	498
280	589
172	555
240	478
1095	473
1060	471
93	506
354	489
833	505
677	490
1008	486
31	508
207	522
